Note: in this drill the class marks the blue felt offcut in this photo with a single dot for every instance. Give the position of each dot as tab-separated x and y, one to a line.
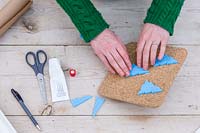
166	60
81	37
77	101
137	71
98	103
149	88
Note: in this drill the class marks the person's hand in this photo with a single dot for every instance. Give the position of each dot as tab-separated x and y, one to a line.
112	52
152	38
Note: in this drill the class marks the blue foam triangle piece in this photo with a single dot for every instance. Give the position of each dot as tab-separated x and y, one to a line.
77	101
137	71
98	103
166	60
149	88
81	37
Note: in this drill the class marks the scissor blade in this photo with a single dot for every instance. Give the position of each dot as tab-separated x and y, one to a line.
40	78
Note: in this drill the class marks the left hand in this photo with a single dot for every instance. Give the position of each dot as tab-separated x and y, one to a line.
151	38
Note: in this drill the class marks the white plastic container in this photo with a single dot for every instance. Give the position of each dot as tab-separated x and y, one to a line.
5	125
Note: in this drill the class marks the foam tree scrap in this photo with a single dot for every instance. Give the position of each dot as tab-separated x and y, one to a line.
77	101
149	88
98	104
137	71
166	60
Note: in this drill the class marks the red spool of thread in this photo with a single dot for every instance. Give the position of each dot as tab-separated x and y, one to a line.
72	72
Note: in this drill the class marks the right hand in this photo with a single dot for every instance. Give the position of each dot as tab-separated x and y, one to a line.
112	52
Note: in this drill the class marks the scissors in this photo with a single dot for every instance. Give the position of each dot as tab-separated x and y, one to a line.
38	68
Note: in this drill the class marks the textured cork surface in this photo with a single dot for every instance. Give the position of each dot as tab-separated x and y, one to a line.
126	89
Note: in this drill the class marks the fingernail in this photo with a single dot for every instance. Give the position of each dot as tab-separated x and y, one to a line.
127	74
122	75
130	67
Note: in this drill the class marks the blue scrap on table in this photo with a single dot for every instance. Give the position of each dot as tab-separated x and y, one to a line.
166	60
81	37
149	88
98	103
77	101
137	70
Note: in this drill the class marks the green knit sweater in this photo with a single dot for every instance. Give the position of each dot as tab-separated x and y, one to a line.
90	23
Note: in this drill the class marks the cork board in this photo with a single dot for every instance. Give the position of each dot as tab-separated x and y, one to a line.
126	89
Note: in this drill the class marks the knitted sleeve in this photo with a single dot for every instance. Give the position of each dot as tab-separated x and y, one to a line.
164	13
85	17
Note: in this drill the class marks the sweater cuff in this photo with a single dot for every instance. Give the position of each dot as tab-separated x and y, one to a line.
85	17
164	13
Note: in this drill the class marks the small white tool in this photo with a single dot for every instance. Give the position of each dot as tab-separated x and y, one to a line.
5	126
59	90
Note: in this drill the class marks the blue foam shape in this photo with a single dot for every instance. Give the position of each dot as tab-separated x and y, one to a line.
166	60
149	88
77	101
137	70
81	37
98	103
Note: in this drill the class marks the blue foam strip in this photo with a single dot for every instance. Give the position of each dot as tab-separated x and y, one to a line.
137	71
77	101
166	60
98	103
81	37
149	88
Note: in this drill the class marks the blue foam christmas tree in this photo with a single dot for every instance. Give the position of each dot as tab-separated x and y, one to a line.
149	88
166	60
77	101
137	70
98	103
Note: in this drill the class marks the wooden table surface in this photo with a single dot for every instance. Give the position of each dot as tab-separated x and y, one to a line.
46	26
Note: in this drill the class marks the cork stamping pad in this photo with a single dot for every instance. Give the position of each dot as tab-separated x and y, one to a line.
126	89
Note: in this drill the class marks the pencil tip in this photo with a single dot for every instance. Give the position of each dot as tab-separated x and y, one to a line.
38	127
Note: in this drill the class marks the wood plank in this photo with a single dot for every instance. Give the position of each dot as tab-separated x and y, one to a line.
13	58
108	124
183	97
125	17
81	58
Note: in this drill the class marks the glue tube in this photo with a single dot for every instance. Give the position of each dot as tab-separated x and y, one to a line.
59	89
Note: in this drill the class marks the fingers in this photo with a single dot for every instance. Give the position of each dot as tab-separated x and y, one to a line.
124	53
146	52
162	49
125	57
153	52
150	38
118	58
106	63
140	47
114	64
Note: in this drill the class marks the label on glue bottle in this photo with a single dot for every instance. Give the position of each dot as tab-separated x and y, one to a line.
59	90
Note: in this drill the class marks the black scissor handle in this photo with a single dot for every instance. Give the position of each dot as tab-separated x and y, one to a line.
40	65
34	65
